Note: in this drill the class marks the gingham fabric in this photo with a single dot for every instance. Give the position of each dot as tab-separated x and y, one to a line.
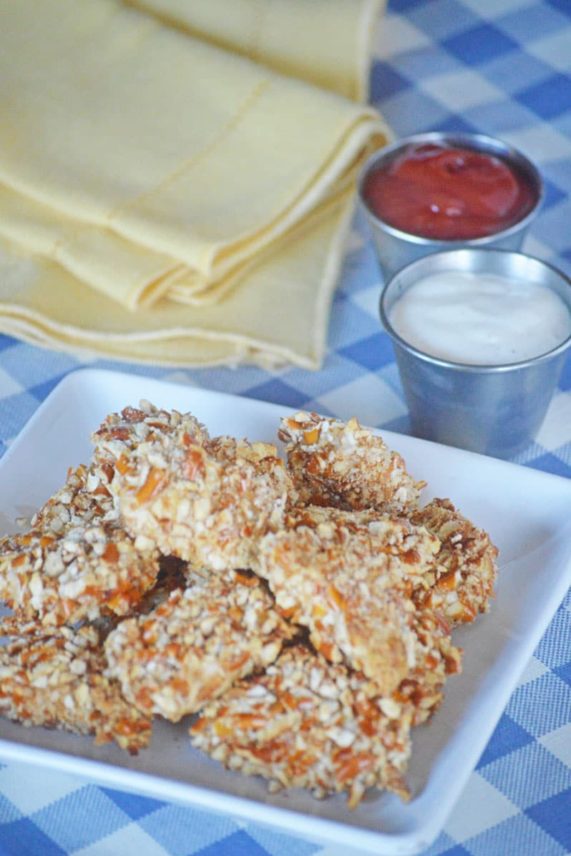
501	67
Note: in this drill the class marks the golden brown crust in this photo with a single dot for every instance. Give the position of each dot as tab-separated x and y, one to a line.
55	678
205	501
344	465
191	648
462	583
345	576
436	658
310	724
77	562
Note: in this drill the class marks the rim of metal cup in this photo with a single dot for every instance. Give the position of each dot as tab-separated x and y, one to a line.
475	142
491	368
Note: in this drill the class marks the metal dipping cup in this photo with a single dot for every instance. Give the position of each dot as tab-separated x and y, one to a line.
492	409
396	248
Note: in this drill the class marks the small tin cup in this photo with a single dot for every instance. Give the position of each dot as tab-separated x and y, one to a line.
492	409
396	248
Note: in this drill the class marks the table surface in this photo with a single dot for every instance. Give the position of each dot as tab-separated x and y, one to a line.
501	67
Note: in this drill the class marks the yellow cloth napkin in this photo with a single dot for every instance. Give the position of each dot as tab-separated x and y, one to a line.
149	164
325	42
278	314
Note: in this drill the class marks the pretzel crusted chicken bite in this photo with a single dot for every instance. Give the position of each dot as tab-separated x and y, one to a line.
205	501
54	677
346	576
307	723
340	464
462	582
77	562
191	648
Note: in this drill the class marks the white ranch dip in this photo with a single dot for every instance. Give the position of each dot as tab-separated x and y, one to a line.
480	319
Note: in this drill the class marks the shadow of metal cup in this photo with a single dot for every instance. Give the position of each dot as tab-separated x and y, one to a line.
397	248
493	409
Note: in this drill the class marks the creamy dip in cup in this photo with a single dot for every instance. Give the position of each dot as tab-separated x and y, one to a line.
496	407
480	318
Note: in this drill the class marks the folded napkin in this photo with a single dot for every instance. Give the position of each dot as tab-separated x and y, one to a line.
278	314
325	42
140	165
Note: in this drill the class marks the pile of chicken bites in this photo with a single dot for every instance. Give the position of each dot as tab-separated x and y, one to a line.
300	610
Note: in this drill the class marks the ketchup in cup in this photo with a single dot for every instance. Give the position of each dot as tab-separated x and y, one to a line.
448	193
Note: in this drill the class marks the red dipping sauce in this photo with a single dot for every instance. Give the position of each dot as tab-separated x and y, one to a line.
448	193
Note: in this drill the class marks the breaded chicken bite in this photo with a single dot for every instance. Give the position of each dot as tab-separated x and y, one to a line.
77	562
191	648
55	678
307	723
206	501
462	582
333	463
348	577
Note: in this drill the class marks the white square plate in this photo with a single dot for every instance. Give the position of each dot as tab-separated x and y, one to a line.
527	514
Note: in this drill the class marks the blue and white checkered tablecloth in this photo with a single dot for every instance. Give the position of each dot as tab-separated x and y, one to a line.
498	66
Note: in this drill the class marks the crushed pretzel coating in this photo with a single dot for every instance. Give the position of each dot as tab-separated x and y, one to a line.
462	582
77	562
344	465
307	723
436	658
346	576
191	648
54	677
182	574
205	501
